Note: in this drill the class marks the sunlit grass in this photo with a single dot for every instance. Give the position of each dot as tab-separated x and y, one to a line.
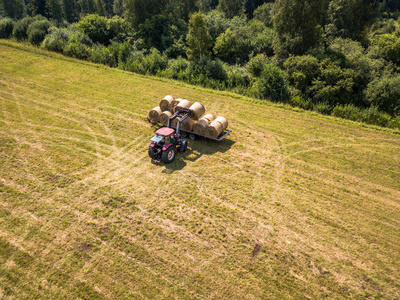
291	205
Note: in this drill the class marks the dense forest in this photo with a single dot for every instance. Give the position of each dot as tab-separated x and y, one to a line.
337	57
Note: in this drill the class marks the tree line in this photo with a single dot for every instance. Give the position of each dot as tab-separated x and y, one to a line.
337	57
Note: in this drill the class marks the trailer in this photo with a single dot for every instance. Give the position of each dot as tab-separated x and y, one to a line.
167	139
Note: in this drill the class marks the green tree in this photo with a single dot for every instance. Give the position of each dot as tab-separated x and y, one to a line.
39	7
227	46
298	25
198	38
271	84
387	46
118	7
101	8
70	10
6	28
96	27
384	93
13	9
348	19
137	11
263	13
252	5
231	8
55	10
183	8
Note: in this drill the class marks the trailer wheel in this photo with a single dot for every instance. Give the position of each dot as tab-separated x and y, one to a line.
183	134
192	136
151	151
168	155
183	146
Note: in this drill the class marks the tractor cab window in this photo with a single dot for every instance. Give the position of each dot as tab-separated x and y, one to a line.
167	140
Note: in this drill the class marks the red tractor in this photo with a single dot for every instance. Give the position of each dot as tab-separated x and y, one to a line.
164	143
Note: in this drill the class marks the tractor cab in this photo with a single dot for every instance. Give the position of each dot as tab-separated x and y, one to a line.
164	136
163	145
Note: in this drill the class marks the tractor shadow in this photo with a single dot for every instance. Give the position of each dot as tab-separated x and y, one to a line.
196	149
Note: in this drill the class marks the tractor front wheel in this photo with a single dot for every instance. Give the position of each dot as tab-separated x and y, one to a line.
151	151
168	155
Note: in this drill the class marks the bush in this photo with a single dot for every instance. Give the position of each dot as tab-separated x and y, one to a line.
6	28
369	115
177	69
388	46
96	28
21	27
78	45
206	72
56	40
36	36
155	62
271	84
384	93
100	54
237	78
302	70
256	64
37	31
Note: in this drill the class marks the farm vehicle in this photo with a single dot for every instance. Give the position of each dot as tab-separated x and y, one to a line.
168	139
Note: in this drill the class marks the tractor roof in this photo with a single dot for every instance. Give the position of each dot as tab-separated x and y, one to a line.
165	131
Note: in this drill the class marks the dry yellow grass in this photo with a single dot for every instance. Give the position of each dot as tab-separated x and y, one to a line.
292	205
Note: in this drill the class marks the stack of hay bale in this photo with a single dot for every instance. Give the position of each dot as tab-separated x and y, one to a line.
201	124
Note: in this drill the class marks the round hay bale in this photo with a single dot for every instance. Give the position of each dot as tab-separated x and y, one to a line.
188	124
164	117
223	122
173	104
183	103
164	103
214	129
201	126
154	114
198	110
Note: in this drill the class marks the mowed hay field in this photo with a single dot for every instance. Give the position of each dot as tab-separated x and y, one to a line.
293	205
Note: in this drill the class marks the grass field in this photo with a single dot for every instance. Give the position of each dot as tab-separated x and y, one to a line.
293	205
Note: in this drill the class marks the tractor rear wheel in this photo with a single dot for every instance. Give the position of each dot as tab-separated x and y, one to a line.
151	151
168	155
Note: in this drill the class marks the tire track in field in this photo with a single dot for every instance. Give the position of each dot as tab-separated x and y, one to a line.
91	132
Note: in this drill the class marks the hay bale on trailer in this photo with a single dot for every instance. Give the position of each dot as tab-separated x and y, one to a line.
216	127
164	117
154	114
174	103
223	121
164	103
198	110
183	103
187	125
201	126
